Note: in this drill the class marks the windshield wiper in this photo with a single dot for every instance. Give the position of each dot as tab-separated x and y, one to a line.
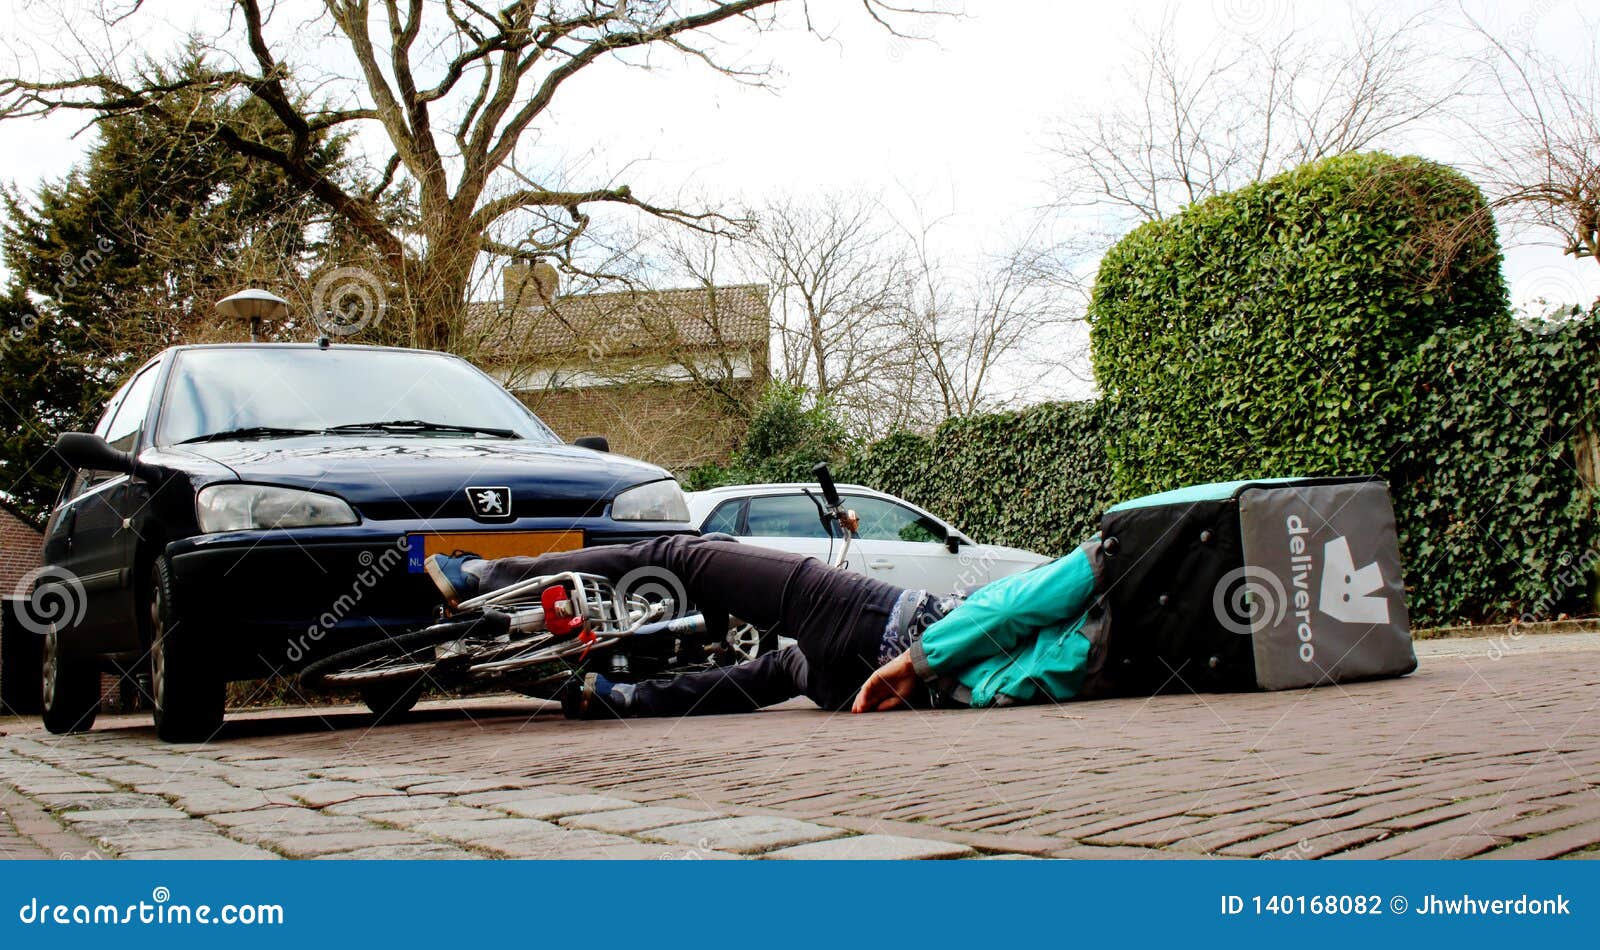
249	432
420	425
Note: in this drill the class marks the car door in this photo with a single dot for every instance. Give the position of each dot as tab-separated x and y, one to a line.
903	546
91	534
789	522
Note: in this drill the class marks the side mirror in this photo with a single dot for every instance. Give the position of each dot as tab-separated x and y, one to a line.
86	451
953	543
597	442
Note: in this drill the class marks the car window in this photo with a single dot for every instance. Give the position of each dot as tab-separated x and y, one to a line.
83	481
725	519
883	520
217	390
126	423
104	425
783	516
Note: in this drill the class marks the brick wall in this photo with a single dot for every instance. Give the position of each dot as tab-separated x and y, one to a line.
20	544
676	426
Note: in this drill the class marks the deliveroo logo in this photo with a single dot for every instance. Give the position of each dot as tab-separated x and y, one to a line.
1348	594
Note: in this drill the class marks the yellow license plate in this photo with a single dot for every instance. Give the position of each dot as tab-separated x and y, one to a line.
488	544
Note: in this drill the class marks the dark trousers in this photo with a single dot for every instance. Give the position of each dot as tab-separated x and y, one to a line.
836	618
769	679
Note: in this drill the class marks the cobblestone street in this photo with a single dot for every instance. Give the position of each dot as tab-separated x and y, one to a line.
1492	749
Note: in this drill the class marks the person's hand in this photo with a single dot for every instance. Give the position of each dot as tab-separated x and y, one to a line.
889	688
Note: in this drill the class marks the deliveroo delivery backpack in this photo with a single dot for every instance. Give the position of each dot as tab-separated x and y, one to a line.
1269	584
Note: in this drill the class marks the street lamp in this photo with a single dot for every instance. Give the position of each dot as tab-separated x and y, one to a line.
257	306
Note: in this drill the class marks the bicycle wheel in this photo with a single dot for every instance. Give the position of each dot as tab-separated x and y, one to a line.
744	642
407	656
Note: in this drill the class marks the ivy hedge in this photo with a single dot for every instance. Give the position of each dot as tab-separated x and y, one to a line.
1263	331
1489	479
1036	478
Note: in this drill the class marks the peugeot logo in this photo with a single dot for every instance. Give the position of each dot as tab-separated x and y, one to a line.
490	504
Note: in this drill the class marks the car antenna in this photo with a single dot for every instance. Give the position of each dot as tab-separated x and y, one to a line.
323	342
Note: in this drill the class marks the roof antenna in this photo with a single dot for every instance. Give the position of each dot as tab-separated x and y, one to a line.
258	306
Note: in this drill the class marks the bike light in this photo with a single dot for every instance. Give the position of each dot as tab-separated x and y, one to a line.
656	501
558	612
260	507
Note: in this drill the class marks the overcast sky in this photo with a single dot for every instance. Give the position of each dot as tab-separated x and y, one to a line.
959	122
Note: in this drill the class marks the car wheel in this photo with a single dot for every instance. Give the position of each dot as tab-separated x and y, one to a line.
70	696
391	701
188	695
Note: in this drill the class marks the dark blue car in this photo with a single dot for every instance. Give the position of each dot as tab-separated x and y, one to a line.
242	509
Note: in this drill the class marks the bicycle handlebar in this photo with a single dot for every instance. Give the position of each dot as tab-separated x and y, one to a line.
825	478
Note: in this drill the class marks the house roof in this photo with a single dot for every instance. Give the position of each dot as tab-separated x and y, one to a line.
707	317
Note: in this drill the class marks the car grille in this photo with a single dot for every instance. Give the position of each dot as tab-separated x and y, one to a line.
458	507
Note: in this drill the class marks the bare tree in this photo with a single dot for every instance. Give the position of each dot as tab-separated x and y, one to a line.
455	86
967	328
838	273
891	333
1198	125
1541	162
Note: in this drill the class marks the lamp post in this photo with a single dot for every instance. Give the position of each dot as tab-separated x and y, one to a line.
258	306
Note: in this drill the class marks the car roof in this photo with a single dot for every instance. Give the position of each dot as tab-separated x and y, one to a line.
243	345
701	502
773	487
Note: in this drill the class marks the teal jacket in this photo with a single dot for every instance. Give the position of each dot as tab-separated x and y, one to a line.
1017	640
1021	639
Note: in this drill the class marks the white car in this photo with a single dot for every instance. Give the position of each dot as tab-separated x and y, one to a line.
899	543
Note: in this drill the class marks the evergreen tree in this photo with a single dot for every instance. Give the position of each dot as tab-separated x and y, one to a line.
127	254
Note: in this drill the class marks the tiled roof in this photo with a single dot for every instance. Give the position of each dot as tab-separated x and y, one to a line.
720	318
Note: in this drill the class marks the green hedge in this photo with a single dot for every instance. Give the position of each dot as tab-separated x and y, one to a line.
1261	332
1495	519
1035	478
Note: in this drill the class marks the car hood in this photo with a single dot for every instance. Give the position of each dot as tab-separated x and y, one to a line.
411	477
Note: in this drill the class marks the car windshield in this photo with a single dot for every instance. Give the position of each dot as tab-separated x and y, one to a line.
266	389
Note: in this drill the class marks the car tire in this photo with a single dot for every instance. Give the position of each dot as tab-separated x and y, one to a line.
391	701
70	698
187	694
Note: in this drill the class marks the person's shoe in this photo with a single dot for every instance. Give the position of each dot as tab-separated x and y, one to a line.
595	697
455	584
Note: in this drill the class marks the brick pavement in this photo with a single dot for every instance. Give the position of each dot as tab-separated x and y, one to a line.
1491	750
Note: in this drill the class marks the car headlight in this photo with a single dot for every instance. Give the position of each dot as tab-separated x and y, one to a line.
657	501
257	507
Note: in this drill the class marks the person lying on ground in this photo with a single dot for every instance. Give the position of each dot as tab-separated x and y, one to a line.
860	643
